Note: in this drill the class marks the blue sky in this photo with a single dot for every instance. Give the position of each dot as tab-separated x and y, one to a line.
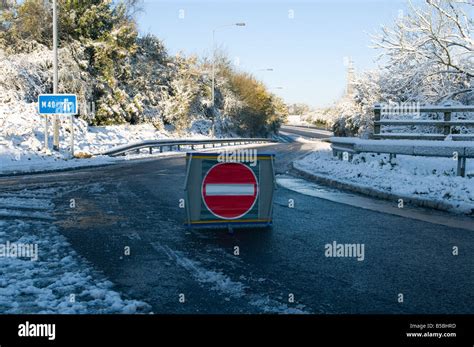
306	52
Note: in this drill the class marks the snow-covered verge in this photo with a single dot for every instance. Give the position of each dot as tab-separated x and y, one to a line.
419	177
22	139
54	278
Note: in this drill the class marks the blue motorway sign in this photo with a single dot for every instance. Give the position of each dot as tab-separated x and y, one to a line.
57	104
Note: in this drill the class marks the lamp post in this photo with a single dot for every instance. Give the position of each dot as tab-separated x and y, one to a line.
240	24
55	73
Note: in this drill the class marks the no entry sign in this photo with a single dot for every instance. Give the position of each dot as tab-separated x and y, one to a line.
229	193
229	190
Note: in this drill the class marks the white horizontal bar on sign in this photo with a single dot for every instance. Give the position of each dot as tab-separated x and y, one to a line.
229	189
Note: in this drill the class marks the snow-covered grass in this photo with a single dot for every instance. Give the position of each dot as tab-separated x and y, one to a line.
422	177
57	280
22	139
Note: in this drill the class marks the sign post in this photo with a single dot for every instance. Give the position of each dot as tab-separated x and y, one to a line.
58	104
71	117
46	132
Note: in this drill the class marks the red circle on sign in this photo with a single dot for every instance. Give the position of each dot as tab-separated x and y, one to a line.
229	190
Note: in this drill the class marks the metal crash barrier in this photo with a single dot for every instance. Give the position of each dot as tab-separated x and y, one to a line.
225	191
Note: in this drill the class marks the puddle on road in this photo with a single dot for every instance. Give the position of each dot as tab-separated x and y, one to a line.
431	216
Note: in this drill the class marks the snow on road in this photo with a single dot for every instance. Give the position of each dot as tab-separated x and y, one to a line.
422	177
54	278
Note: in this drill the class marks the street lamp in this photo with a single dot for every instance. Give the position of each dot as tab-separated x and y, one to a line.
55	73
240	24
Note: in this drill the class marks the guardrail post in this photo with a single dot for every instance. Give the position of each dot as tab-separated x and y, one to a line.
461	171
151	150
179	147
377	114
447	127
161	149
192	147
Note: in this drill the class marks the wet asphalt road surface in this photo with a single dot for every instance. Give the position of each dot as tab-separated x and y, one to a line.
135	205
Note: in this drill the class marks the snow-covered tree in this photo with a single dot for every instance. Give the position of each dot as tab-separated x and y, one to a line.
427	56
429	52
184	100
125	77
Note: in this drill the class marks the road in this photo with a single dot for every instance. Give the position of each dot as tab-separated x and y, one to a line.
304	132
136	204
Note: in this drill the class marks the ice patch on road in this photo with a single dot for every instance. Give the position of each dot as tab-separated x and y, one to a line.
19	214
219	282
302	186
13	202
96	188
272	306
223	284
